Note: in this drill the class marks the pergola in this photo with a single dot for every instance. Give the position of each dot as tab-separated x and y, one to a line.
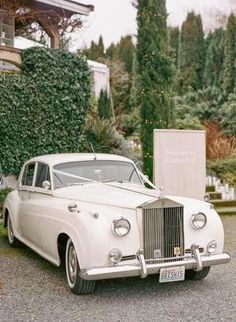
49	14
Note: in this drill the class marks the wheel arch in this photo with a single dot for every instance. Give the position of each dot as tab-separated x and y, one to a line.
61	247
5	216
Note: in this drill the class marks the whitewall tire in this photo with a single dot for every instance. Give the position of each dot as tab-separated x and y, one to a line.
76	284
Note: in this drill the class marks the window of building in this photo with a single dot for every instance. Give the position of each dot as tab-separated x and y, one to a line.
7	30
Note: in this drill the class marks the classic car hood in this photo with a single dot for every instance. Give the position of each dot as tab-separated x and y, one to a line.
113	194
191	203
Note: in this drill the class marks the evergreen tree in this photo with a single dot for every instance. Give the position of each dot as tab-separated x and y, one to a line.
174	35
228	116
229	56
214	59
111	50
192	53
154	74
125	52
104	108
134	103
100	48
120	82
95	51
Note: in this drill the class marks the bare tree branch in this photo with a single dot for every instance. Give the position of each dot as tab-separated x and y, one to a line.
28	19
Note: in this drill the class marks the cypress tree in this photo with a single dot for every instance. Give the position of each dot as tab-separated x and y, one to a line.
96	50
100	48
192	53
154	74
174	44
125	52
214	59
229	56
104	108
111	50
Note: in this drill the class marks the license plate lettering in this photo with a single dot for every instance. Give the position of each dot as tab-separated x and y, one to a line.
172	274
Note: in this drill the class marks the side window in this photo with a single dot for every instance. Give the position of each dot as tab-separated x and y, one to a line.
28	175
42	174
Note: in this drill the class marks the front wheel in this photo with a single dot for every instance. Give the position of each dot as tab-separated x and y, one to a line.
196	276
76	284
12	240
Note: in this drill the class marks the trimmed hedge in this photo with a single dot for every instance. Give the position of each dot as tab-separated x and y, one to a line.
43	108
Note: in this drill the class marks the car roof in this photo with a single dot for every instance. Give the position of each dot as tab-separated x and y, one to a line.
53	159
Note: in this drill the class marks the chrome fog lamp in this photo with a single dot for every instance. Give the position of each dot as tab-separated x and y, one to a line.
198	220
121	227
115	255
211	247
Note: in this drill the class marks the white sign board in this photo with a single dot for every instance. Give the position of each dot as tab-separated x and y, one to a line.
180	162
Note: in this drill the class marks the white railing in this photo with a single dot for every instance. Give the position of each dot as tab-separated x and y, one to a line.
227	192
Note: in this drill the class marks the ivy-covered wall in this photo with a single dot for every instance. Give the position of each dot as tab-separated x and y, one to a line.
43	107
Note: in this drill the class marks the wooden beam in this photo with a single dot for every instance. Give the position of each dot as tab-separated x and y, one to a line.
61	6
50	29
10	55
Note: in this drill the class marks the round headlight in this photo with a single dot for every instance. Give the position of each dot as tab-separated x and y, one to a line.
115	255
211	247
121	227
198	220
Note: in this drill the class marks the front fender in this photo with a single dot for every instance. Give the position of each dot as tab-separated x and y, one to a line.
212	231
93	237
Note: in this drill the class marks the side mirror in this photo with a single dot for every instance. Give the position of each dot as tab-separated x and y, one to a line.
46	185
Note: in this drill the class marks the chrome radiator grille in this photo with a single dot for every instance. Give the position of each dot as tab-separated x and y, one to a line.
163	232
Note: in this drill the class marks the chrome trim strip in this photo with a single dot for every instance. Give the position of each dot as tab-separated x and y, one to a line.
157	260
136	270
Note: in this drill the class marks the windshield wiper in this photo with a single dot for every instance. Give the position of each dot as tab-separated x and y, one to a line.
112	180
70	184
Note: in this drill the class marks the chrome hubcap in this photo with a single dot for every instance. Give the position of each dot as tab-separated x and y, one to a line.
72	264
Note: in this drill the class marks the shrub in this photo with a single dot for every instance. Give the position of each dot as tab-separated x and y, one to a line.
43	107
3	193
224	169
218	145
104	138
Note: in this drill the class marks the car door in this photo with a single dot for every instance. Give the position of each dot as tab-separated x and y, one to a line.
35	207
27	226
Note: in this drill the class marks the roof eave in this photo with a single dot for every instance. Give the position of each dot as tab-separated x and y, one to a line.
70	5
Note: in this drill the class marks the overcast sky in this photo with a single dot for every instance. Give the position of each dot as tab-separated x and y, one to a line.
115	18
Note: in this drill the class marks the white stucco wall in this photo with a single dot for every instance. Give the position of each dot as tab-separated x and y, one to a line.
101	77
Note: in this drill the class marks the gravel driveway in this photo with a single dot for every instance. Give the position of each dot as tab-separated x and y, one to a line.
31	289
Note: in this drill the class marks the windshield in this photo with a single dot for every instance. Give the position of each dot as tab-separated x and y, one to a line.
80	172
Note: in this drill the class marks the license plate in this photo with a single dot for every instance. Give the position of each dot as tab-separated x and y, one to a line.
172	274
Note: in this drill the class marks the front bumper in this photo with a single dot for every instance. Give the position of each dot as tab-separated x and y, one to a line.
142	269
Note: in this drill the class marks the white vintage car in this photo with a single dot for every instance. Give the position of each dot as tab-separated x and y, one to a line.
94	213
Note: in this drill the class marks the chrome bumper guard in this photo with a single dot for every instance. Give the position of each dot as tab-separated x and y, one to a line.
195	261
